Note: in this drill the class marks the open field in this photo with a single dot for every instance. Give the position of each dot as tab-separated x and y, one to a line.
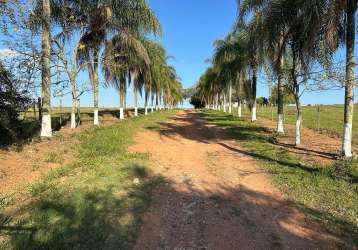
329	119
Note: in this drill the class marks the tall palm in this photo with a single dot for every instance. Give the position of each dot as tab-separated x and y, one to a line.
251	36
126	59
270	36
99	20
46	129
351	7
112	18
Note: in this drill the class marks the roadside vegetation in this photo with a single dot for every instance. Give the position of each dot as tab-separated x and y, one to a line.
294	47
327	193
93	202
325	119
46	46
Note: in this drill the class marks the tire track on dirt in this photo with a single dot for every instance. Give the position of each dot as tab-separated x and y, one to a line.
214	196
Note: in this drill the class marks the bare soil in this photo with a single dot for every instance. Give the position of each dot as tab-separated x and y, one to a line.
315	147
25	164
215	197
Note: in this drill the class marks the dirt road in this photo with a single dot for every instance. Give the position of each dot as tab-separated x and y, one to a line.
215	196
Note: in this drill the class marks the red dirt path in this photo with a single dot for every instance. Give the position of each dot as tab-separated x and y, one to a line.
215	197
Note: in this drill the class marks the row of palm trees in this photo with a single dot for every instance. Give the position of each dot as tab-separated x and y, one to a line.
286	39
108	35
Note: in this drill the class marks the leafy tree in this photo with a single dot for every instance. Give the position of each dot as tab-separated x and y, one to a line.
13	100
262	101
198	103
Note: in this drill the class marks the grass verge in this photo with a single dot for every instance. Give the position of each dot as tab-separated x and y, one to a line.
92	203
327	119
328	194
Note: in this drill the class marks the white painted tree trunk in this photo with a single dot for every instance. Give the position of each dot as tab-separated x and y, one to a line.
121	113
239	110
253	112
145	110
298	131
96	119
135	101
347	140
46	130
217	102
230	98
350	79
151	109
224	104
73	119
280	124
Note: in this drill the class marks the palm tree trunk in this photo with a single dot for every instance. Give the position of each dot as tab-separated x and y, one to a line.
230	98
93	71
224	103
135	92
280	128
349	86
299	114
217	102
95	99
46	128
239	109
152	103
121	98
146	103
270	89
156	102
254	90
296	93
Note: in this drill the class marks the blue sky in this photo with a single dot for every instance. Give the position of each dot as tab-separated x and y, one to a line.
190	28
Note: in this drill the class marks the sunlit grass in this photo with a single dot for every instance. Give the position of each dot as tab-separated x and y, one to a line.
326	119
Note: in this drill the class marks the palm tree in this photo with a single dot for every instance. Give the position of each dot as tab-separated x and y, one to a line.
270	34
251	37
46	129
126	58
351	8
230	56
125	19
99	19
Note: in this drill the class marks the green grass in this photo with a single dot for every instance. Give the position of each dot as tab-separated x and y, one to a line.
91	203
54	157
28	127
327	193
329	120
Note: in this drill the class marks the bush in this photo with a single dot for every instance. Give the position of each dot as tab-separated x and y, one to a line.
197	102
13	99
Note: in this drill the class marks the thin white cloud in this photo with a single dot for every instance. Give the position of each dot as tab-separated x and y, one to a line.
7	53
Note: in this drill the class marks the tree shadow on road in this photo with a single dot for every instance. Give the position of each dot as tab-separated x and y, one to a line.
228	218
